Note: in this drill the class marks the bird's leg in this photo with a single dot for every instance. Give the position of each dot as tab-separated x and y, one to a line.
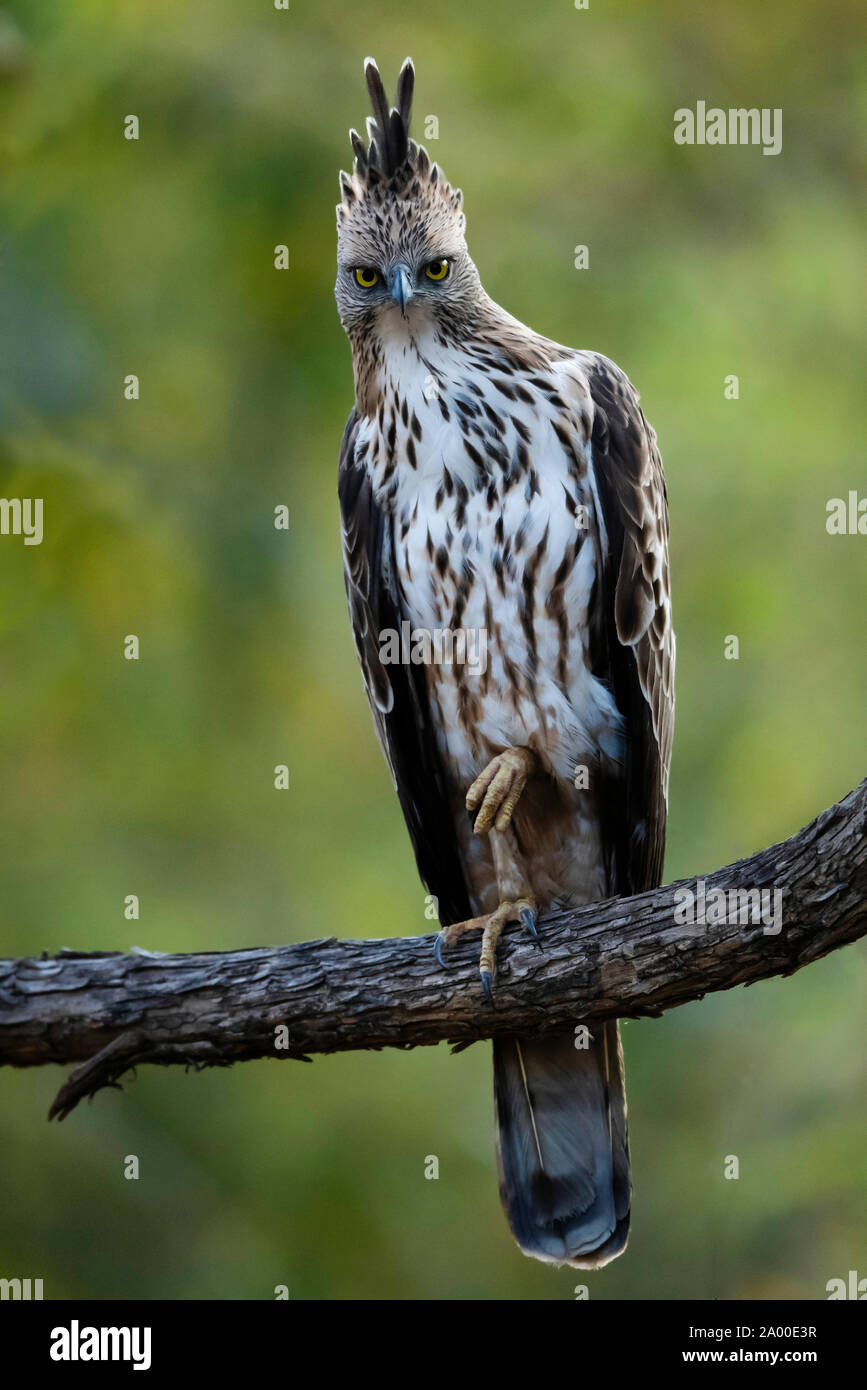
498	789
516	905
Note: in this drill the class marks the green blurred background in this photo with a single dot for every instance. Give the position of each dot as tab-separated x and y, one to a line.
156	777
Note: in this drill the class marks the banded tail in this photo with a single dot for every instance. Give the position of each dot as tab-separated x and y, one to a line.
563	1146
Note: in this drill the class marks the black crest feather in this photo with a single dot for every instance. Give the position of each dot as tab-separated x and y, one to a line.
391	161
387	129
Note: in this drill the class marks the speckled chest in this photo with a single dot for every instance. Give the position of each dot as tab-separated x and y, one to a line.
487	483
486	480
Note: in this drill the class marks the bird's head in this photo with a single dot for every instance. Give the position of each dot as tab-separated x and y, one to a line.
401	251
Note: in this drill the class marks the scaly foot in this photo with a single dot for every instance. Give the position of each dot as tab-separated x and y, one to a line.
499	788
491	925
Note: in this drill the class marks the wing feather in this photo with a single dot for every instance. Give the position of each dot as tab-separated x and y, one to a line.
397	693
634	645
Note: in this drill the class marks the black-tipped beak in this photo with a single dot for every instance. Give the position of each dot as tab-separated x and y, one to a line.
401	288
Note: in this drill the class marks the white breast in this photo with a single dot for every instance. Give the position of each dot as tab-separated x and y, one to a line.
505	531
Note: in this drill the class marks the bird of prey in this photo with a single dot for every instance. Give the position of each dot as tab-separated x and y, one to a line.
493	481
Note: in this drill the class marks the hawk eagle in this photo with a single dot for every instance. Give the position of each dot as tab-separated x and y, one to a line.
494	482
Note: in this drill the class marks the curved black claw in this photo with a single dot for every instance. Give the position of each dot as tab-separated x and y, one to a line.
438	950
488	985
528	920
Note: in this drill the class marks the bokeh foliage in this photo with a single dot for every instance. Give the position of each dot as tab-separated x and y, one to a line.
155	777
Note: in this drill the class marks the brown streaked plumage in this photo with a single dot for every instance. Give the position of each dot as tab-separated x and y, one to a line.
494	481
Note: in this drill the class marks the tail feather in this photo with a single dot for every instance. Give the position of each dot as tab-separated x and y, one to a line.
563	1147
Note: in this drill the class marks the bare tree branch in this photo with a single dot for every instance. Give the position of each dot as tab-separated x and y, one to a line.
625	957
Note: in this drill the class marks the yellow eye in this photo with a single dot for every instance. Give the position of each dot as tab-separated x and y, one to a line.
438	269
366	277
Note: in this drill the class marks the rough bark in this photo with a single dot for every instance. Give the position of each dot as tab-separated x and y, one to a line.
625	957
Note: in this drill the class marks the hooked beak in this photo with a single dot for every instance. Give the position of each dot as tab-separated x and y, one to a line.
401	288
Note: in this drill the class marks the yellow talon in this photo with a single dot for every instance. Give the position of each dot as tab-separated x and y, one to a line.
491	926
498	789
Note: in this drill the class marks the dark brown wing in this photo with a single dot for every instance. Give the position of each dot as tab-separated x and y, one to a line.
634	647
396	693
